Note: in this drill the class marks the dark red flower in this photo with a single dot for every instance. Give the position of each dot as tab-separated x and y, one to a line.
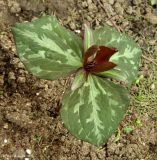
96	59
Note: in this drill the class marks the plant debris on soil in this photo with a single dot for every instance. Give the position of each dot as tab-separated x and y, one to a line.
30	124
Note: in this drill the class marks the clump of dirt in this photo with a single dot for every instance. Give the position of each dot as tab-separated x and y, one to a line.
29	107
5	17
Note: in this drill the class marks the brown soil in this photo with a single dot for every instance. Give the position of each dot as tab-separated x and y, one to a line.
29	107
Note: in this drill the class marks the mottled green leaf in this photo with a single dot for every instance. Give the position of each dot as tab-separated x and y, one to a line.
48	50
88	38
79	79
128	56
114	73
93	112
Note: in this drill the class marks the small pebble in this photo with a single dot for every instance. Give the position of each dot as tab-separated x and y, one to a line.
77	31
15	61
5	141
152	86
84	4
151	18
6	126
28	151
89	18
63	138
21	79
72	25
119	9
89	2
92	8
11	76
129	10
136	2
15	8
135	89
109	9
20	65
85	149
152	42
111	2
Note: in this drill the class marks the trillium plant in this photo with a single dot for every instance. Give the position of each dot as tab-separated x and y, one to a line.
93	106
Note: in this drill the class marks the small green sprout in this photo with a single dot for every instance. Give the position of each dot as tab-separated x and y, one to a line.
128	129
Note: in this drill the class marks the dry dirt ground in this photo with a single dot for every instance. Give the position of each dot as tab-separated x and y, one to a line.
30	125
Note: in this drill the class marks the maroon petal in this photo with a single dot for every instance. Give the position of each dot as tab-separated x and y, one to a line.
96	59
90	54
102	67
104	53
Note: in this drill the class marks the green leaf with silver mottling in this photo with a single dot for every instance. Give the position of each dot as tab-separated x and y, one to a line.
47	49
88	37
79	79
128	56
114	73
93	112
